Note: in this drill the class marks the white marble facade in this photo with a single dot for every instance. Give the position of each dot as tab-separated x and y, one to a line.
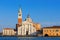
27	27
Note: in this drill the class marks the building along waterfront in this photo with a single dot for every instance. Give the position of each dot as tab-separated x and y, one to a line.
51	31
8	32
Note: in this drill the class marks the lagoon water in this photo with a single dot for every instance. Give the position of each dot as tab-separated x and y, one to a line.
29	38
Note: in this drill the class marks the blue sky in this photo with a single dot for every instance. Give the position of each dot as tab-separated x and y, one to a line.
45	12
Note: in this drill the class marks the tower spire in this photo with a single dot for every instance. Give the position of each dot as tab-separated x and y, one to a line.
28	16
20	10
20	13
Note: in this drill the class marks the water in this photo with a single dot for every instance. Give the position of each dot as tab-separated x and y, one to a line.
29	38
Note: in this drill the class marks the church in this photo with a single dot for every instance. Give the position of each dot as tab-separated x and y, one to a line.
26	27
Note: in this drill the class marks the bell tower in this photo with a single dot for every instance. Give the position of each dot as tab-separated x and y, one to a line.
20	16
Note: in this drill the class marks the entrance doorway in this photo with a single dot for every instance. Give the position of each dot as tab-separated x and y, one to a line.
57	34
26	32
46	35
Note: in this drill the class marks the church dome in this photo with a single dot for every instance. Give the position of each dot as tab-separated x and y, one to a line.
28	19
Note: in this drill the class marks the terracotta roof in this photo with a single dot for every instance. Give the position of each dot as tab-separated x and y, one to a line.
53	27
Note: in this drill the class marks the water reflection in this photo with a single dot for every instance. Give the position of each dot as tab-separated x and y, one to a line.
26	38
29	38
